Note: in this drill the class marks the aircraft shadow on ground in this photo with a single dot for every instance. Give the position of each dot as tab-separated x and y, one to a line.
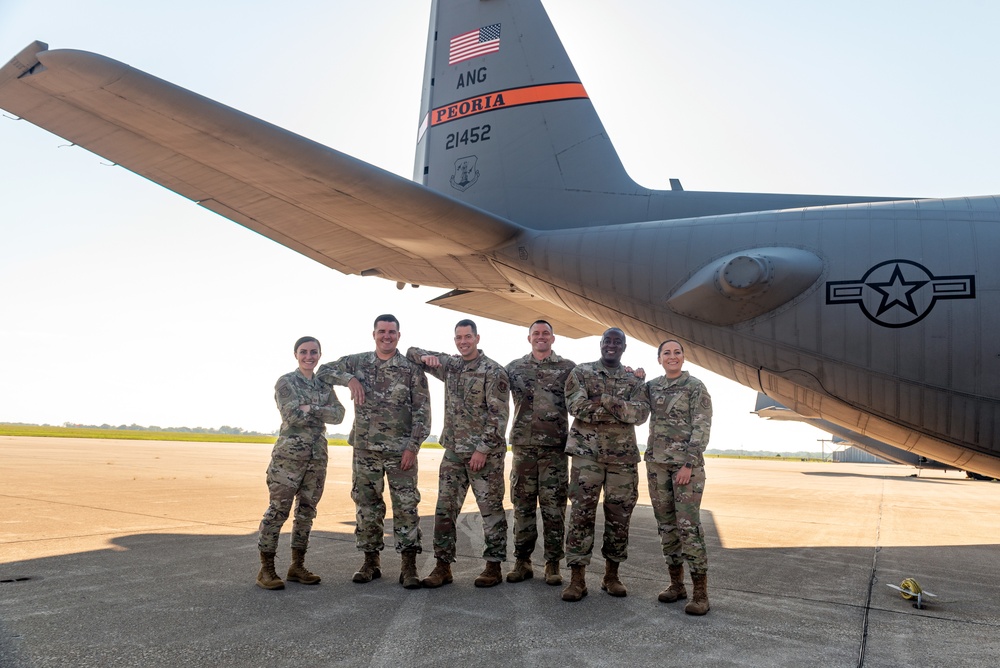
875	476
164	599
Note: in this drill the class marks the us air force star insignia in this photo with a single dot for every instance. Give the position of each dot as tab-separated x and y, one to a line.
899	293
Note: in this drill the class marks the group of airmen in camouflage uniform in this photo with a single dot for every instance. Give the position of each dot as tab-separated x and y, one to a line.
392	418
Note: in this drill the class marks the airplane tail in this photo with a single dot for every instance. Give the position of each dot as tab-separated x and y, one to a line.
507	126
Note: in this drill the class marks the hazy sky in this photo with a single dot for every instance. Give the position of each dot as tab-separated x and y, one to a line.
122	302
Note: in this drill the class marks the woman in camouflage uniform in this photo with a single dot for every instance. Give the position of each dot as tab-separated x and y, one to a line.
679	426
298	463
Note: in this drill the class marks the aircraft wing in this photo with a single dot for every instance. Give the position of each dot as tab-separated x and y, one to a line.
520	308
335	209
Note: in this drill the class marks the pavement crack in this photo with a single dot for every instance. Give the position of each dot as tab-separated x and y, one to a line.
872	579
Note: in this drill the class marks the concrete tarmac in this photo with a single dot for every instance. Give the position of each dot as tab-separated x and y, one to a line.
138	553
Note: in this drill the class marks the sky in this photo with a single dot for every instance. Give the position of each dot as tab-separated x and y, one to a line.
122	302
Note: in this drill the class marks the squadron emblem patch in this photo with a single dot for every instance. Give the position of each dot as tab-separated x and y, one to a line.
466	174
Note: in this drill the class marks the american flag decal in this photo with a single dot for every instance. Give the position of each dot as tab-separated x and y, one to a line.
474	43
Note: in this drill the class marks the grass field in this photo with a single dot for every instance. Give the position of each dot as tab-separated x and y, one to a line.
140	435
132	434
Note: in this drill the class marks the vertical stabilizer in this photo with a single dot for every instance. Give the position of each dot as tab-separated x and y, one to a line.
506	124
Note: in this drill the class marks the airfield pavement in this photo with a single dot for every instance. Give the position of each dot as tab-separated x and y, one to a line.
138	553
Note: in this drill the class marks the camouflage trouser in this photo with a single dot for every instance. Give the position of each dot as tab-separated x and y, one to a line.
370	470
454	479
678	516
287	480
539	473
620	483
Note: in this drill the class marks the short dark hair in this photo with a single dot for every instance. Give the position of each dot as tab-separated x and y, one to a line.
660	349
467	323
542	322
385	317
613	329
306	339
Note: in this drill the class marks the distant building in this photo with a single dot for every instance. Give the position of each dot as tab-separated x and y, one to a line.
853	455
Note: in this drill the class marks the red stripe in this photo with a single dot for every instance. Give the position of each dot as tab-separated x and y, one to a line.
502	99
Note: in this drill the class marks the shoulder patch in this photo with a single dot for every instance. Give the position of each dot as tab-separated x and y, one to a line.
284	392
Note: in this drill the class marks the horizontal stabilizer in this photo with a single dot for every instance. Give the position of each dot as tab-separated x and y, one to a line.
768	408
519	308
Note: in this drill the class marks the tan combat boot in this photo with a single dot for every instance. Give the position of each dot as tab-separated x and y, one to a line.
611	583
441	575
408	569
491	575
298	572
699	599
521	571
552	574
676	590
370	570
577	588
267	578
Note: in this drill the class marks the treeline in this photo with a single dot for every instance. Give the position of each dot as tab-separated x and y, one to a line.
224	429
767	453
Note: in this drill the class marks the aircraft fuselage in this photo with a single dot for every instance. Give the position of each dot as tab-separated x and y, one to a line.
867	315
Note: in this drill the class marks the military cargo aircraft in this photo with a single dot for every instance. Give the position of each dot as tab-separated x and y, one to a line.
869	313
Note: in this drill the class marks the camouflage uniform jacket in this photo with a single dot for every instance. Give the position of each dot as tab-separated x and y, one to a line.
606	405
396	415
680	420
538	388
475	402
303	435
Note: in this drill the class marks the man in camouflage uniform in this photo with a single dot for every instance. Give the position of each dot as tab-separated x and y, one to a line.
606	402
392	417
476	396
298	463
538	438
680	423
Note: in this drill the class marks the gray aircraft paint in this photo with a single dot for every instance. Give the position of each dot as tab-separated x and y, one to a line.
868	313
548	162
784	320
